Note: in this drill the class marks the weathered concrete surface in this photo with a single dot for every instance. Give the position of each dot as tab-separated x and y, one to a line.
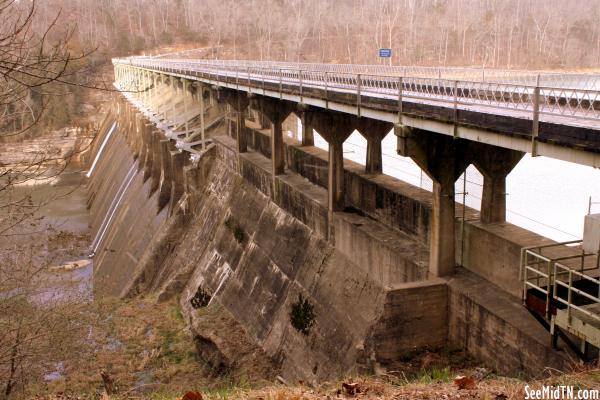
497	328
388	255
255	243
415	316
125	220
256	259
493	251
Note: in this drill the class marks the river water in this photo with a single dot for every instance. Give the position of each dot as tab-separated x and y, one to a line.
544	195
57	233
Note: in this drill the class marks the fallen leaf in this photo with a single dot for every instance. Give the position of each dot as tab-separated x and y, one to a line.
192	396
351	389
464	382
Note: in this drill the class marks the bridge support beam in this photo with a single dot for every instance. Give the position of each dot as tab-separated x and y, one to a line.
239	102
308	136
443	159
335	127
374	131
276	111
494	163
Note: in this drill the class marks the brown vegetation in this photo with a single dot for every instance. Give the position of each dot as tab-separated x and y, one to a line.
494	33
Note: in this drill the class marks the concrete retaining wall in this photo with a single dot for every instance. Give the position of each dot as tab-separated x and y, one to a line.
497	329
415	316
256	243
491	250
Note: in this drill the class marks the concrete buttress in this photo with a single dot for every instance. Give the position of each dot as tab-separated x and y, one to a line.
443	159
166	177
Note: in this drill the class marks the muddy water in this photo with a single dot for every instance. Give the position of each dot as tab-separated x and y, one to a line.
58	234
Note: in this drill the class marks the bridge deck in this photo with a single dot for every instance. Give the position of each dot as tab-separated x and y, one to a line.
568	118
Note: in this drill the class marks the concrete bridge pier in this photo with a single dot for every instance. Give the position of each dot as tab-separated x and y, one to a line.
443	159
308	135
239	102
374	131
494	163
276	111
335	128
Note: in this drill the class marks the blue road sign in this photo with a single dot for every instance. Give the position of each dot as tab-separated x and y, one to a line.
385	53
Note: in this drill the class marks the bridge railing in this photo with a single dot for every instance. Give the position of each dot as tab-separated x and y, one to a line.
590	81
528	101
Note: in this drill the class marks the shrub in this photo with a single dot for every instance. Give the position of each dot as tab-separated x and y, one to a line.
200	299
302	315
236	229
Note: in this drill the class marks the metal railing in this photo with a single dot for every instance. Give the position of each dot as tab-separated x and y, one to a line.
499	91
568	301
573	80
540	272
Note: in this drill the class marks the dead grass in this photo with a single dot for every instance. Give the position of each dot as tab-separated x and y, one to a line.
144	347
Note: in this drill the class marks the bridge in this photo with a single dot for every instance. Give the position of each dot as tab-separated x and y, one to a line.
444	118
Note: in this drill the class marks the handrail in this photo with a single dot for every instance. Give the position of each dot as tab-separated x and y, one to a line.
571	290
480	74
528	100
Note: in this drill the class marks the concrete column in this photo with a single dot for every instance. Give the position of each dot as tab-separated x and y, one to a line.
443	159
240	128
308	137
335	177
173	100
276	111
494	163
277	148
374	163
374	131
200	94
335	127
239	102
185	107
442	239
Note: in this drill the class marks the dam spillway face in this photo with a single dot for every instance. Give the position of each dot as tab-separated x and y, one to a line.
214	226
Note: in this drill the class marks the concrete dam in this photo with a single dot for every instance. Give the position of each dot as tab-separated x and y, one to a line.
329	266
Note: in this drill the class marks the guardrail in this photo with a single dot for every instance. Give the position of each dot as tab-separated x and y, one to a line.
540	272
533	102
567	80
568	301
